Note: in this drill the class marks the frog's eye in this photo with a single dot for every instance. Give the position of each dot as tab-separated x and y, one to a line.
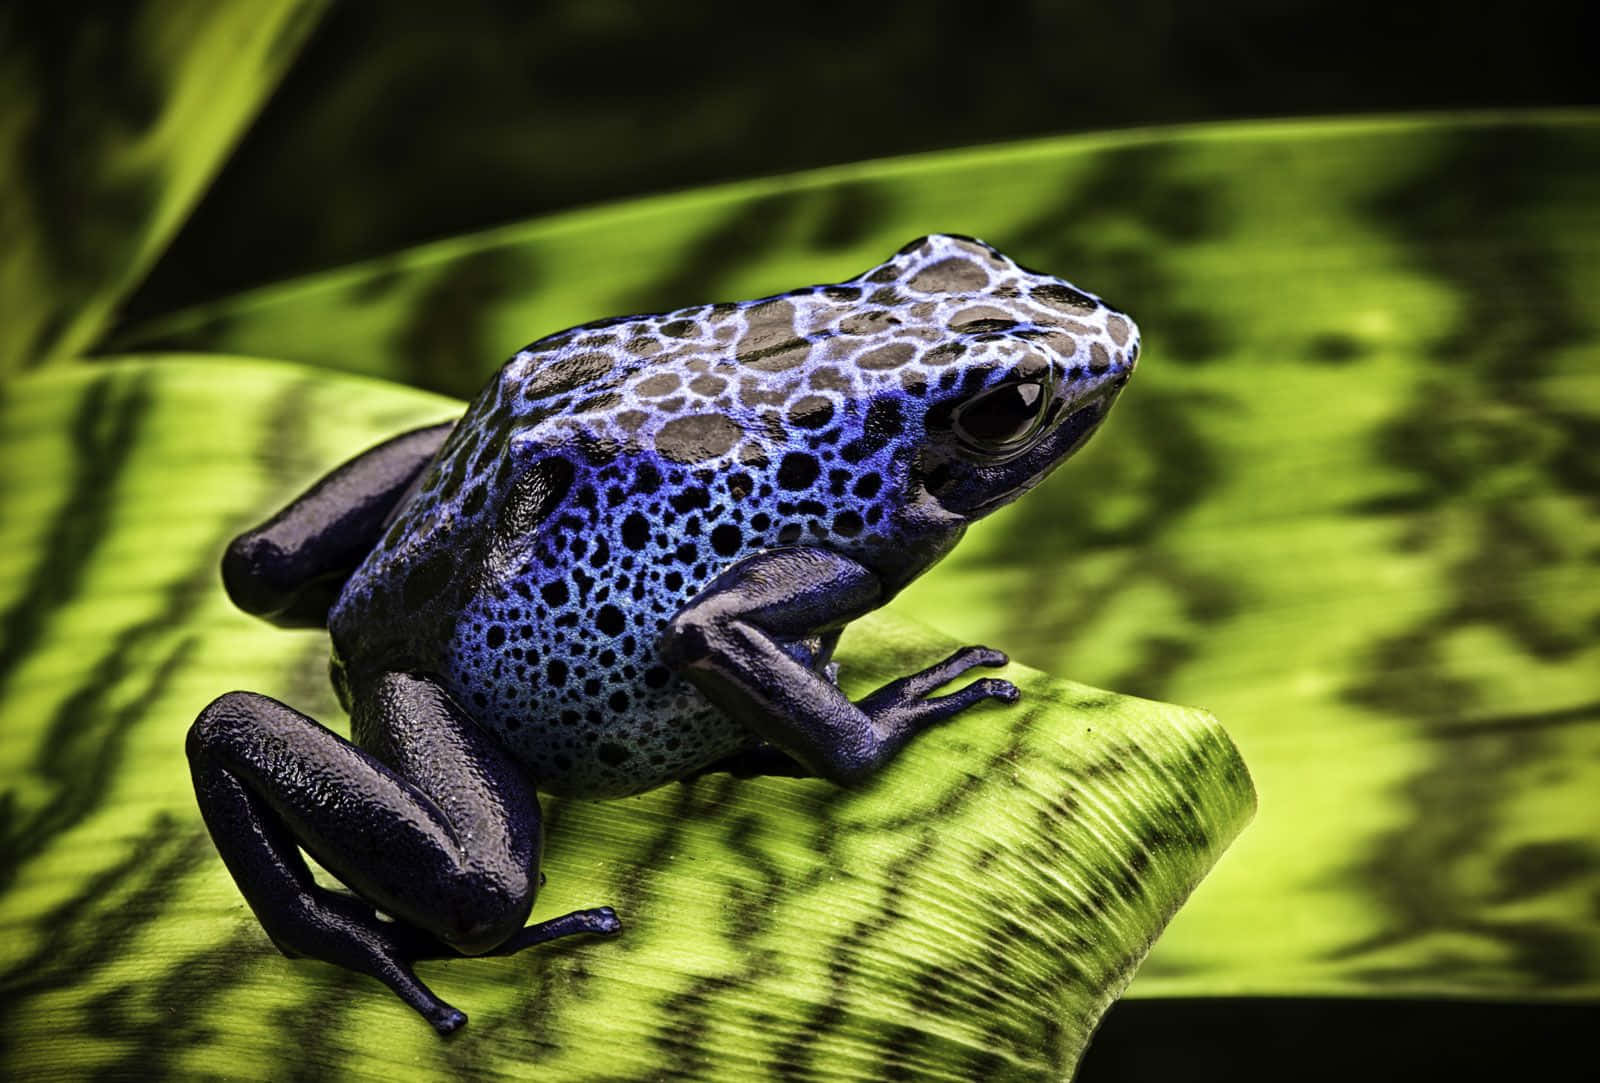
999	420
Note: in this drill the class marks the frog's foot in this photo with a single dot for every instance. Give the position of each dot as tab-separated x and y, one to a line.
904	704
414	944
341	929
601	920
733	642
430	821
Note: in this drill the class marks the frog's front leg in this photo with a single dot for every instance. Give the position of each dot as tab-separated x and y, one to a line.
290	569
731	642
428	821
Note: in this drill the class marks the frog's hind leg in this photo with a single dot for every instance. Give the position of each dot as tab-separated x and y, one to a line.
429	822
289	570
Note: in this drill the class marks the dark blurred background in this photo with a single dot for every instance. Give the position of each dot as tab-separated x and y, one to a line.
403	122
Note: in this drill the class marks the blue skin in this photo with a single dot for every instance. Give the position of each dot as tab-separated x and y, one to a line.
628	563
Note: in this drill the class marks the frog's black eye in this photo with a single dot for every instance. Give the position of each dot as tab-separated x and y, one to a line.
998	421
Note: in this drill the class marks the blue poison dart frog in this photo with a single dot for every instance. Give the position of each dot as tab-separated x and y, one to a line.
628	563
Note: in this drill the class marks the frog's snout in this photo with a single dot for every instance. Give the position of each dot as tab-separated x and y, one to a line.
1125	335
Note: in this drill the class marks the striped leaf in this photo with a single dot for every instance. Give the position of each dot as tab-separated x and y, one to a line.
971	913
1349	502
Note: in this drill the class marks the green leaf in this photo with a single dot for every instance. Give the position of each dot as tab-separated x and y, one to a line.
1196	230
1349	502
971	912
112	123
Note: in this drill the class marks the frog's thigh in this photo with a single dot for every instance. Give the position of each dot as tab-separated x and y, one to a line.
290	569
730	642
451	851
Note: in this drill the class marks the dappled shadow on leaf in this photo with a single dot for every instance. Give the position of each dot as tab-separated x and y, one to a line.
113	123
745	234
1481	444
1116	227
444	346
81	746
89	935
1146	474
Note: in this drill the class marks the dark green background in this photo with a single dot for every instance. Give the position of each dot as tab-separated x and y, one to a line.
403	122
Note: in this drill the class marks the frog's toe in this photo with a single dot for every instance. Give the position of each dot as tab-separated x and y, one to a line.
906	706
995	688
601	920
967	657
449	1021
920	684
941	707
604	920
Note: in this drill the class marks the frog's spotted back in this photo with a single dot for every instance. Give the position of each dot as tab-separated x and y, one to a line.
608	472
724	384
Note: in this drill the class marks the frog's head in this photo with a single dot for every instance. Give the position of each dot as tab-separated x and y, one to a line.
1031	366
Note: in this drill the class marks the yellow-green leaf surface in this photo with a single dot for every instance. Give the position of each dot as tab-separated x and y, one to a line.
111	125
1349	502
969	914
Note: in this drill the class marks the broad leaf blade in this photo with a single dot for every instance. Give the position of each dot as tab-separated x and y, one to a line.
971	913
111	125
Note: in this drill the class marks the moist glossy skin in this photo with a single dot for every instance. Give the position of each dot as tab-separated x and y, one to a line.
628	563
609	473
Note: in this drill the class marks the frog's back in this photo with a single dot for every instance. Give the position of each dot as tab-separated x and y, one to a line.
599	481
608	472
